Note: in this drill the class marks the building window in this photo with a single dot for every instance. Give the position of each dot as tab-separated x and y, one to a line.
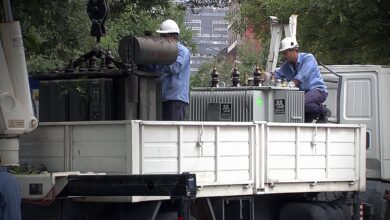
219	22
193	69
193	21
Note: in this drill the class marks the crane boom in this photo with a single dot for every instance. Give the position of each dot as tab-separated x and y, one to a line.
16	112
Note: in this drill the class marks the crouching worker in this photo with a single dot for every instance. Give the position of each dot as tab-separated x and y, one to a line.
301	70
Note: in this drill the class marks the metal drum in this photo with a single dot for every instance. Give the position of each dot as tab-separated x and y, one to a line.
148	50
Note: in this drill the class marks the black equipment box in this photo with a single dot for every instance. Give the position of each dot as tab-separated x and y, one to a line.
76	100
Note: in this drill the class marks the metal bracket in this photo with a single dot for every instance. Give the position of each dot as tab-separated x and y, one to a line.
272	183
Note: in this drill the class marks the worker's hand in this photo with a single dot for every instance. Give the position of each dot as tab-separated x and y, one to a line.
291	84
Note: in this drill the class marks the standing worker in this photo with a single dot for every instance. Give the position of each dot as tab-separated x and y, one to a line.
175	77
9	196
301	70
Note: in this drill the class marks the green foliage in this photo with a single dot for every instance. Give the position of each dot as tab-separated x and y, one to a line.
337	32
194	4
248	56
203	77
135	21
55	32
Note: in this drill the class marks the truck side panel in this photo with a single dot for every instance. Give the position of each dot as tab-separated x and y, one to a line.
229	158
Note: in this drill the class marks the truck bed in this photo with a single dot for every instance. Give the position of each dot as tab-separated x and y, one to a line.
228	158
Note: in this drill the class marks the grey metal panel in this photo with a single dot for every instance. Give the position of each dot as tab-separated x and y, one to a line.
295	112
294	106
331	101
249	104
44	146
360	105
242	104
99	148
364	99
384	93
105	164
358	101
222	153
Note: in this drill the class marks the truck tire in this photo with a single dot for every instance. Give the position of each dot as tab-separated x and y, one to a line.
169	216
311	211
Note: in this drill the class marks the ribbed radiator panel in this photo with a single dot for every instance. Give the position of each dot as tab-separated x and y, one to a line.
242	104
247	105
295	112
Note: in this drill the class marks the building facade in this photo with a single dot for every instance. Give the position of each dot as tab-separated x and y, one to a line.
236	39
210	34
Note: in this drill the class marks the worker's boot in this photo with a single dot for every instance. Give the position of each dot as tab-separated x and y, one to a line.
323	117
309	117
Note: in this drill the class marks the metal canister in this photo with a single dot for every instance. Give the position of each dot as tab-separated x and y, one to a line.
148	50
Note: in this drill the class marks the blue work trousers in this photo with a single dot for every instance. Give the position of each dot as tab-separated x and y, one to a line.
313	101
174	110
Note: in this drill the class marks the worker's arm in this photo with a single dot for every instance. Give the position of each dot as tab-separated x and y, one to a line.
281	72
182	59
177	66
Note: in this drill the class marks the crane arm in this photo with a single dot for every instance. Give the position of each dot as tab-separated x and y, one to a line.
16	113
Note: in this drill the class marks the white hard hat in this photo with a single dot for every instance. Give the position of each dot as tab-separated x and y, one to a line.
288	43
168	26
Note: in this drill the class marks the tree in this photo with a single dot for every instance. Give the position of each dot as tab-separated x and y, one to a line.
248	55
135	21
53	32
337	32
56	31
193	4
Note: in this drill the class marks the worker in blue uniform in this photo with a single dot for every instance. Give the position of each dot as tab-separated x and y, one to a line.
9	196
175	78
301	70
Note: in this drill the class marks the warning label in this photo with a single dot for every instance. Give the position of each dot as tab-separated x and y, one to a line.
226	111
16	124
280	106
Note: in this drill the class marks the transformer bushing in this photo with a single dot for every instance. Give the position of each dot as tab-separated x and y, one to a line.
257	81
83	66
103	66
235	77
214	78
110	65
92	64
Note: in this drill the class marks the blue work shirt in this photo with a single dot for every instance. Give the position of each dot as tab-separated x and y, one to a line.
9	196
306	71
176	77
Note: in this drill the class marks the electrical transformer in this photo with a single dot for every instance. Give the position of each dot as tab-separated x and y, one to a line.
265	103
